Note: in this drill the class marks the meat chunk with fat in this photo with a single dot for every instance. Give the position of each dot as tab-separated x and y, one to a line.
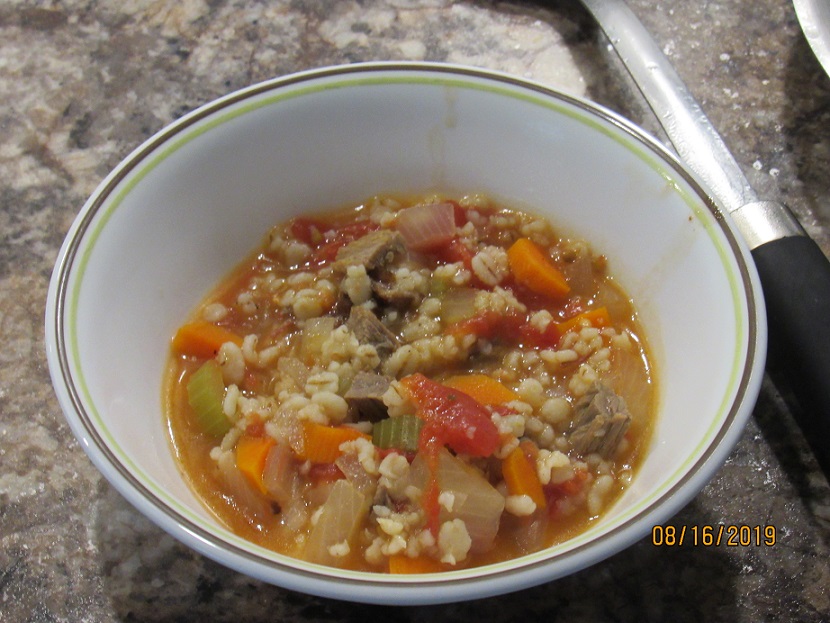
601	422
368	329
374	250
395	295
366	395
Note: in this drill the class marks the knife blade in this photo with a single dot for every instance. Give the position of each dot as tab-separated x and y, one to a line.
794	271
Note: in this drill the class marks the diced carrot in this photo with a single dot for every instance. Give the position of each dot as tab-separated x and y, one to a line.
534	270
202	339
598	317
403	564
321	444
251	453
485	389
521	478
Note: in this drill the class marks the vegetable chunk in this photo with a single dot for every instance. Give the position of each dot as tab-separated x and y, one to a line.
202	339
535	271
205	393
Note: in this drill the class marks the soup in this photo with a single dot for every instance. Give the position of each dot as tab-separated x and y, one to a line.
410	385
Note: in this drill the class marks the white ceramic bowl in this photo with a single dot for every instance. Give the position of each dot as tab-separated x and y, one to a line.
192	201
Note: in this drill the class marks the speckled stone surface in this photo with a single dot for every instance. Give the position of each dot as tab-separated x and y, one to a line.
83	83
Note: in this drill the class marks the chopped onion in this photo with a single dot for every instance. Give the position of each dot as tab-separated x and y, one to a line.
630	379
580	275
295	369
316	332
251	504
338	524
458	304
279	475
350	465
295	515
613	299
528	533
287	428
427	227
473	500
282	481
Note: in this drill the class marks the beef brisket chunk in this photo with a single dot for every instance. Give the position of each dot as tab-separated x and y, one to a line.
374	250
366	395
368	329
602	420
395	295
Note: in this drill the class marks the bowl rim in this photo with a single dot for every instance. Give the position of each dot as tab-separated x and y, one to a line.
374	587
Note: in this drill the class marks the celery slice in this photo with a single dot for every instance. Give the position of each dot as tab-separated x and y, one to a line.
205	394
401	433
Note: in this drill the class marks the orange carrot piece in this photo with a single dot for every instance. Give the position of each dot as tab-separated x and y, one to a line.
202	339
521	478
403	564
598	317
484	389
321	444
534	270
251	454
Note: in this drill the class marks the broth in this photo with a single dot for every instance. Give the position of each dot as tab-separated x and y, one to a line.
413	384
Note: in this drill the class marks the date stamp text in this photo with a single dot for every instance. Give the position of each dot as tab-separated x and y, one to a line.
714	535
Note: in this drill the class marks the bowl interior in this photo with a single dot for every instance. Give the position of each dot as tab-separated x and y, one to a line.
181	211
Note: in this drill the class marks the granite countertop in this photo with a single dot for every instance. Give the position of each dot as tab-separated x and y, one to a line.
83	83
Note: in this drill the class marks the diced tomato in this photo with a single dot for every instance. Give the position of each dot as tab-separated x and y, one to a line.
503	410
451	417
327	253
331	238
256	428
534	338
308	230
565	489
491	325
280	324
456	251
252	381
460	214
512	329
483	325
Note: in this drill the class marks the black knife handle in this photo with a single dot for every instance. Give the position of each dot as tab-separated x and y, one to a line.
795	276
